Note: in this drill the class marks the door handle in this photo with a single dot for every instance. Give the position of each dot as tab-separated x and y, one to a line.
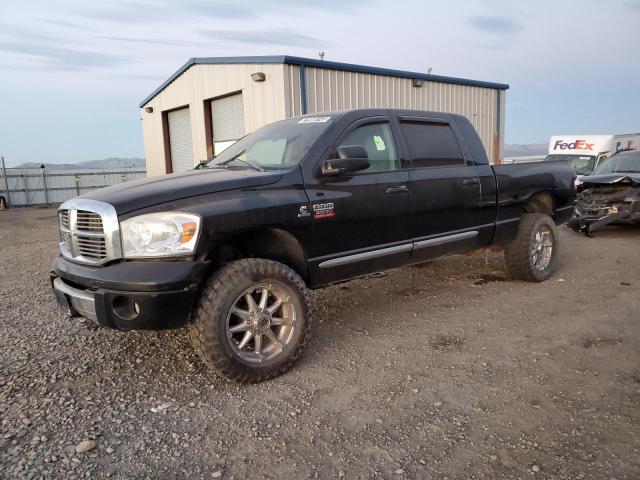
397	189
471	181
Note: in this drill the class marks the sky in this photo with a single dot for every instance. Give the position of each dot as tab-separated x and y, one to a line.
72	72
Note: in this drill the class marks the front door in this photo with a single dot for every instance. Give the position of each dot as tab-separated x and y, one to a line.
361	221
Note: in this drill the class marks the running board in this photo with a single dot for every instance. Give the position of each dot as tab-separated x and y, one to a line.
432	242
406	247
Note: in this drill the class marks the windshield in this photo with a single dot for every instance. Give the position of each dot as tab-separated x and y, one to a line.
277	145
582	164
626	162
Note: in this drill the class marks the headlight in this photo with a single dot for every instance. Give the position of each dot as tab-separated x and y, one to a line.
160	234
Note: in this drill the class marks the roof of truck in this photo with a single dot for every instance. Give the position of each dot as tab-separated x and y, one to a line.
382	111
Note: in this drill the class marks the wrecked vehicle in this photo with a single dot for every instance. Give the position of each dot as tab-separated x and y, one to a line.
610	196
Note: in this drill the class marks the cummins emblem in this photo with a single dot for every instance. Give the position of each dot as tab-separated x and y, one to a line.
303	212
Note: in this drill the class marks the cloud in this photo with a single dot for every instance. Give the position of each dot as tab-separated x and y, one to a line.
633	5
266	37
492	46
136	11
332	6
128	12
64	24
154	41
61	58
495	24
221	10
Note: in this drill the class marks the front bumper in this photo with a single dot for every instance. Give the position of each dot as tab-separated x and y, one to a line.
73	301
593	220
136	295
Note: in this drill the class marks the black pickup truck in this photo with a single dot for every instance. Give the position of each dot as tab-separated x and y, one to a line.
231	247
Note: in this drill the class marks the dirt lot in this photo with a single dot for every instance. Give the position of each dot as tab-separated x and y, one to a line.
443	370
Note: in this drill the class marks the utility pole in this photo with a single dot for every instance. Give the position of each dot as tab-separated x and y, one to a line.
6	183
44	183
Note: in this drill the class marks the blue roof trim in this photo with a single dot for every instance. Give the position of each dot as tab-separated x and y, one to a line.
350	67
310	62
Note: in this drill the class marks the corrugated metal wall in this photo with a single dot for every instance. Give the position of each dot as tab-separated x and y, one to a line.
32	186
292	97
329	90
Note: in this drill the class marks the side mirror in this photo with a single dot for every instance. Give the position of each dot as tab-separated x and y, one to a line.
352	158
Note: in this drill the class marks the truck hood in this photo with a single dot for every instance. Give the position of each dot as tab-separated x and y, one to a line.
611	179
129	196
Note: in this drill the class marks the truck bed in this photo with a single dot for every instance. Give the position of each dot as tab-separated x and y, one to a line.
517	182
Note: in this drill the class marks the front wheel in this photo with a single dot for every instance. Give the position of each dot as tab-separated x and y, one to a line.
252	320
533	253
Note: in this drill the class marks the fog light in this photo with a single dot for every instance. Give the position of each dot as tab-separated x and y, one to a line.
125	307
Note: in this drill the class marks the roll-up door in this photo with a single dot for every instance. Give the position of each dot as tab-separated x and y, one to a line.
180	140
227	121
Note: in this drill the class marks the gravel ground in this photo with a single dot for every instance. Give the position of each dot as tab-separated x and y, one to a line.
443	370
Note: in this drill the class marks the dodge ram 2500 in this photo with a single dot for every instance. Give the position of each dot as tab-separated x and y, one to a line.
231	247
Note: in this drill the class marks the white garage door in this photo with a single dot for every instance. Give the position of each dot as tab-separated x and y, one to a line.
227	121
180	140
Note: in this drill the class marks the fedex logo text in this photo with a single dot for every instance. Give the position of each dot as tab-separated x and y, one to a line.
577	145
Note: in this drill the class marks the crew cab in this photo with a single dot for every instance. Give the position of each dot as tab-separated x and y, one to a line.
231	247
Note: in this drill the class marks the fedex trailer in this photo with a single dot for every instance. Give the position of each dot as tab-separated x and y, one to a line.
586	152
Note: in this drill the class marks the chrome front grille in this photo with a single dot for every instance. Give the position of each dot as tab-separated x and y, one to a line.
64	219
88	221
92	247
89	231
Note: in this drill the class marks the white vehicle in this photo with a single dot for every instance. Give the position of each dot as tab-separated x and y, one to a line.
586	152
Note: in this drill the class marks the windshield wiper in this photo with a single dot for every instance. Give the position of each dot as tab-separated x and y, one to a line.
236	157
255	167
202	164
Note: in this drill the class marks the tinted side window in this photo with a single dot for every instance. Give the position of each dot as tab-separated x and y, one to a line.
432	144
377	139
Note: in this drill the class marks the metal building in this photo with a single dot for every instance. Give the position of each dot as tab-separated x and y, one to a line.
211	102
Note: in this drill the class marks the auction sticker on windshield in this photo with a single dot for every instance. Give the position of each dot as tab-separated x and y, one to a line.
315	120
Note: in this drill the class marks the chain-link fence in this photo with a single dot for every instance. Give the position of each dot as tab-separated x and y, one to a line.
34	186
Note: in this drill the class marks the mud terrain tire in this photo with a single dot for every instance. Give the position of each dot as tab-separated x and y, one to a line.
232	299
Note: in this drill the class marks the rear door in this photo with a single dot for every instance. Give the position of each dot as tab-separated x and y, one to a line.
446	194
362	221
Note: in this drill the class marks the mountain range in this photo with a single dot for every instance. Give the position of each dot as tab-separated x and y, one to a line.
527	150
112	162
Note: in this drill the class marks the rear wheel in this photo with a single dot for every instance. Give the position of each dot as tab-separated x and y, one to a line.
252	320
532	255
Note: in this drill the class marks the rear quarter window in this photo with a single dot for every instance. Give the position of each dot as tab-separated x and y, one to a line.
431	144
